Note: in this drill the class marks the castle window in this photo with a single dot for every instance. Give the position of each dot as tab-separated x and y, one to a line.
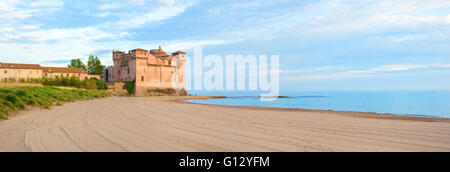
142	78
6	71
128	71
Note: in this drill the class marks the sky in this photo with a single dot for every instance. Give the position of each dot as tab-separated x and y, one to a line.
324	45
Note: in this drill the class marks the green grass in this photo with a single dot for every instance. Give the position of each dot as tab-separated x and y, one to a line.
130	86
15	99
75	82
3	116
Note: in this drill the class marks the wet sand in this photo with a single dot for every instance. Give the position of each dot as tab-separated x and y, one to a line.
165	124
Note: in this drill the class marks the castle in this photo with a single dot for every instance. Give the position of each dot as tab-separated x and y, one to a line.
152	71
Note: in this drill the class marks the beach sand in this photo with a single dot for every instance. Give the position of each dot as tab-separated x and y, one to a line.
161	124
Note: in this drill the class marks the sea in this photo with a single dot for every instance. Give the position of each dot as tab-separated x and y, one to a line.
411	103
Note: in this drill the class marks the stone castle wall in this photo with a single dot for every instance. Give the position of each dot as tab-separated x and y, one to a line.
148	71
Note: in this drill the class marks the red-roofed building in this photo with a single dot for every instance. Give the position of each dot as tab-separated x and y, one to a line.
52	72
18	71
26	71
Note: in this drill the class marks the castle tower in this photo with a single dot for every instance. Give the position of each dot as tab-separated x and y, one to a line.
117	55
180	58
179	55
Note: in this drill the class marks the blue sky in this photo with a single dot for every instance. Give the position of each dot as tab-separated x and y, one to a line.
323	44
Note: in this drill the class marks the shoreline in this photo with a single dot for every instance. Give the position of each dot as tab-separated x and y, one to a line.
183	100
169	124
372	115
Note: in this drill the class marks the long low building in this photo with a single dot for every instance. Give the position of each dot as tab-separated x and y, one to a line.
27	71
14	70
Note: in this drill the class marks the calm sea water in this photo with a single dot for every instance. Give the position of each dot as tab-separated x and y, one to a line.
418	103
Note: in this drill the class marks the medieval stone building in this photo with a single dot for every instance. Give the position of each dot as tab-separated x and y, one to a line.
151	70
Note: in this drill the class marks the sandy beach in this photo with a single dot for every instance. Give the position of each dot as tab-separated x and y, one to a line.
161	124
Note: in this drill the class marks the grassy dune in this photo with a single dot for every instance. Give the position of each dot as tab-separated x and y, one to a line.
15	99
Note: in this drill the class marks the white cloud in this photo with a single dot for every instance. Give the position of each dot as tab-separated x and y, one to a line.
87	33
5	30
167	2
398	67
79	48
14	12
331	76
33	44
314	69
11	10
137	2
408	37
371	72
336	17
249	4
403	19
108	6
151	2
29	27
102	14
3	7
442	65
189	44
45	4
161	13
142	17
172	46
323	17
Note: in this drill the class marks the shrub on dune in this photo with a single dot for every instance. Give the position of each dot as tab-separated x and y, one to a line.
14	99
